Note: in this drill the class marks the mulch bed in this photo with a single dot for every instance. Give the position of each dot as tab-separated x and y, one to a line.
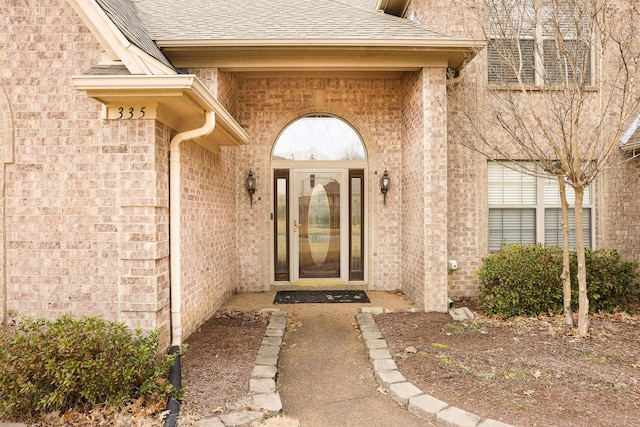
523	371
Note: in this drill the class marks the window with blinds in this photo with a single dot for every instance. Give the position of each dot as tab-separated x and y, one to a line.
525	208
539	42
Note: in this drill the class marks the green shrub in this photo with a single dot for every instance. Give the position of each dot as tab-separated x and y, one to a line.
526	280
611	281
66	363
521	280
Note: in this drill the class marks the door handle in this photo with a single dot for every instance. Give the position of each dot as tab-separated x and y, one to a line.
295	226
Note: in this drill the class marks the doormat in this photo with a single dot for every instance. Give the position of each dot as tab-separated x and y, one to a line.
319	297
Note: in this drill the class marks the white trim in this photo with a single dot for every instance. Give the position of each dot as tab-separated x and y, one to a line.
111	39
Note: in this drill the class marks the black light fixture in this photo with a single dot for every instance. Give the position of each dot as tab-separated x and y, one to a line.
250	185
384	184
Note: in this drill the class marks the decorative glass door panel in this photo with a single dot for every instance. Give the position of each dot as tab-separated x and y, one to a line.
317	225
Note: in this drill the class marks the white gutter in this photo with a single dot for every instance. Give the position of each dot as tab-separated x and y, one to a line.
456	80
175	232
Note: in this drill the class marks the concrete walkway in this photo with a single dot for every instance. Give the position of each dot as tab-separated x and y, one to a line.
325	377
335	369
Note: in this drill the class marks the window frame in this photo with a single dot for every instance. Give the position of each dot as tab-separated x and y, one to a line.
534	36
541	206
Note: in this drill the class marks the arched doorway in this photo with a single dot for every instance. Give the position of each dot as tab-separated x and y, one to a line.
319	164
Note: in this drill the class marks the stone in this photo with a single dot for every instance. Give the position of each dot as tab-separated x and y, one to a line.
371	335
365	327
277	341
426	407
493	423
237	419
379	343
386	378
268	350
268	360
363	317
264	371
456	417
262	385
379	353
402	392
270	402
274	332
209	422
384	365
462	313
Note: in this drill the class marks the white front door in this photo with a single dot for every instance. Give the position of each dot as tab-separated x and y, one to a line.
319	220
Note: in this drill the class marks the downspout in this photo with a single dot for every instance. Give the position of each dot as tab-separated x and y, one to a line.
457	79
175	253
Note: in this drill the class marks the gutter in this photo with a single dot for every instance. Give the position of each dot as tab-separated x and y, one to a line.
459	75
175	251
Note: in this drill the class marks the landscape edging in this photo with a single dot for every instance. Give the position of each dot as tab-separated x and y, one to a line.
395	385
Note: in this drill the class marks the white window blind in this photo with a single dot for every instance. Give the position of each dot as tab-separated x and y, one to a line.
517	215
552	193
542	41
553	227
508	226
508	186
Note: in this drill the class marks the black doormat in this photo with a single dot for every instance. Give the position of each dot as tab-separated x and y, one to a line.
318	297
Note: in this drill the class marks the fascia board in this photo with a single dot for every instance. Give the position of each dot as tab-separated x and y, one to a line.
181	100
272	55
117	46
450	42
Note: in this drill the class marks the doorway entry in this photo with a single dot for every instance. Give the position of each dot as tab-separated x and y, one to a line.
318	216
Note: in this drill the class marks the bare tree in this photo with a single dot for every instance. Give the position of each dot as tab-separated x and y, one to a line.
561	89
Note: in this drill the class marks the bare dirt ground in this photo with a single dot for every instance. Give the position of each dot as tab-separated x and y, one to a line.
523	371
217	366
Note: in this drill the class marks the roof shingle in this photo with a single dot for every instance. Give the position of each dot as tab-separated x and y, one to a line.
274	19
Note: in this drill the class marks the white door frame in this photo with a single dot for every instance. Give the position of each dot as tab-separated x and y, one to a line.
343	174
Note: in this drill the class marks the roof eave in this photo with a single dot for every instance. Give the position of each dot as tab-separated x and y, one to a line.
321	54
178	100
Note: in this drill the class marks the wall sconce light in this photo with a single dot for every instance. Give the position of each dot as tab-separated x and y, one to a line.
250	185
384	184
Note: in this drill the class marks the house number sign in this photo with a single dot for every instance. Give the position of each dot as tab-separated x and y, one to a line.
130	112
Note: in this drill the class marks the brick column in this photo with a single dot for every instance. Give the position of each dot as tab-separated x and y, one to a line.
424	181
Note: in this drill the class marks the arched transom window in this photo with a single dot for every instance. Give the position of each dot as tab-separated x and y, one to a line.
322	138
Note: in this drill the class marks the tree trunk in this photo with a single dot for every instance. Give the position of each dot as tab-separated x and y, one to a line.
566	272
583	300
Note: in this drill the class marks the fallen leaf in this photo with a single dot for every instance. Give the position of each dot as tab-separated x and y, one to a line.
529	392
382	391
537	373
410	349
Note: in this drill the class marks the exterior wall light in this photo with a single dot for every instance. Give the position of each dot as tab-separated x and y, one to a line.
250	185
384	184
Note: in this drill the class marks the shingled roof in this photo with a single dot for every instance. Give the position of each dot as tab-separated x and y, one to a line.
294	20
124	15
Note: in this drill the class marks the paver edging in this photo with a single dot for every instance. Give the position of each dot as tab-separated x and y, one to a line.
262	385
418	403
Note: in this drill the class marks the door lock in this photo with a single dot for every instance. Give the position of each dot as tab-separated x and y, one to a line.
295	226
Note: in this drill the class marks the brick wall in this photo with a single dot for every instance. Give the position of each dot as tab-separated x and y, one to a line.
86	201
372	107
208	233
52	188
